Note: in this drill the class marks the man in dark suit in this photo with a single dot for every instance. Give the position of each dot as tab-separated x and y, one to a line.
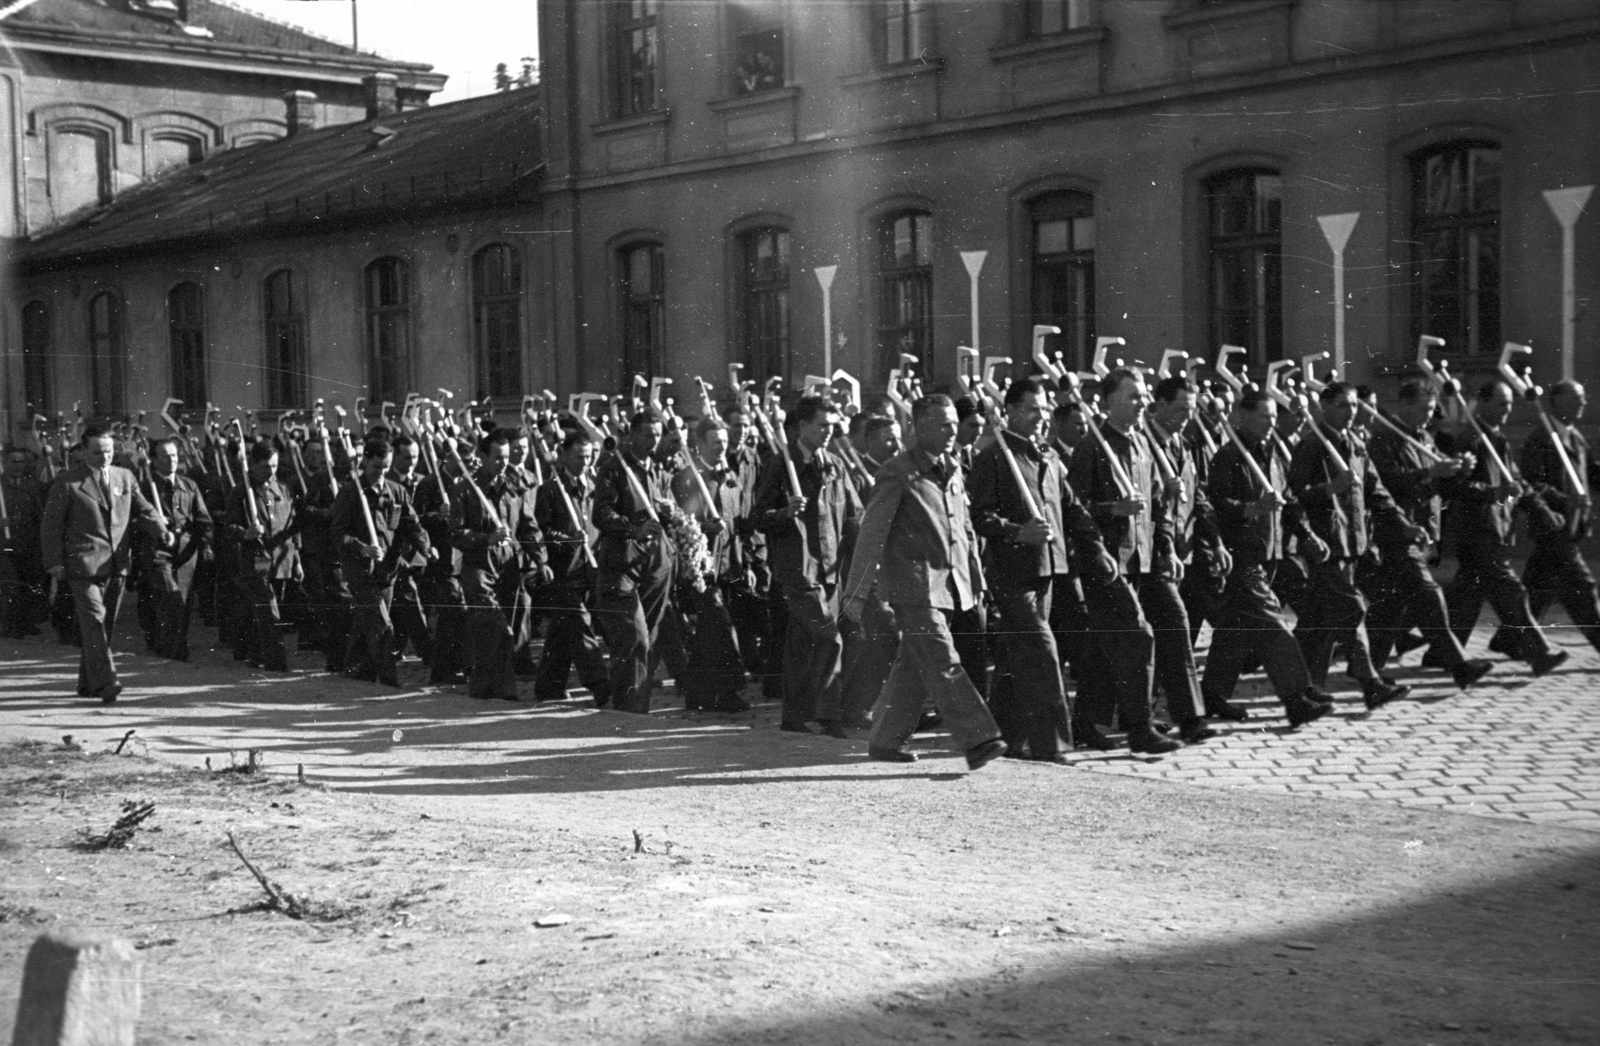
169	572
1025	551
264	519
86	542
918	547
1556	572
563	508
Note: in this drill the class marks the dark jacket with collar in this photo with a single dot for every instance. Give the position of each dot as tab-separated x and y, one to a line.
1343	520
999	512
806	551
917	544
87	534
1137	543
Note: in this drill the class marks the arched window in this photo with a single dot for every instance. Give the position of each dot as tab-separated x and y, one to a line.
186	331
1244	215
764	300
497	319
1063	270
286	341
644	309
36	357
105	354
905	286
167	152
1455	236
388	300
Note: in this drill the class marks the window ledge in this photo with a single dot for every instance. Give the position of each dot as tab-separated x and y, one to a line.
1045	45
631	123
1221	12
899	71
755	99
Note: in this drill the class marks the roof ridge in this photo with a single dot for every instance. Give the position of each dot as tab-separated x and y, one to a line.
286	24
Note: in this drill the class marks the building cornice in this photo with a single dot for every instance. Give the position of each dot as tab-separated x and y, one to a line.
201	54
1180	93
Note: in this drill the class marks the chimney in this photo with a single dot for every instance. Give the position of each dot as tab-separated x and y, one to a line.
300	108
380	89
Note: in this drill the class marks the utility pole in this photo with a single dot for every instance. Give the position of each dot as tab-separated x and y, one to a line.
355	28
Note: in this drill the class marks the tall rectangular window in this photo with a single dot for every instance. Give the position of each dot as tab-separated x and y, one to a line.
903	30
644	310
80	169
765	293
757	45
186	333
286	342
905	287
105	354
635	29
36	358
497	320
1455	235
1048	17
1063	271
388	301
1244	210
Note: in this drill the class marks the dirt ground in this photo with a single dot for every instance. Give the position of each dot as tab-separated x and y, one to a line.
720	882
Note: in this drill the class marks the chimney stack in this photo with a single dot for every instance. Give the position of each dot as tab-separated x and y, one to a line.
300	108
381	101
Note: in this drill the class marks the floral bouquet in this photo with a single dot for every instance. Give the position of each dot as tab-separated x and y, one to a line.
694	554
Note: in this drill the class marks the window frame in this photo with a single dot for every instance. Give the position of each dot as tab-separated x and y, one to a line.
107	367
1469	337
286	387
764	353
1069	204
1264	252
105	139
742	24
383	386
37	356
1075	15
917	26
650	306
186	346
484	307
621	24
888	280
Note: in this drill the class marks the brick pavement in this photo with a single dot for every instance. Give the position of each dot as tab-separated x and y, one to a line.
1511	747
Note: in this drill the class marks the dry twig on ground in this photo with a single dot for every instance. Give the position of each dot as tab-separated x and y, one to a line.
281	900
134	813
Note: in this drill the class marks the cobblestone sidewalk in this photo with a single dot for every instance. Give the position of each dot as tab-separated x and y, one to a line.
1511	747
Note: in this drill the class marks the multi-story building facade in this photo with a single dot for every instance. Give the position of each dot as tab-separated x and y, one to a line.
1154	170
1174	172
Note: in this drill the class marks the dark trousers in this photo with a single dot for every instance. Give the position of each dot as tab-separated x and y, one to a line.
371	646
1484	572
1557	574
410	618
260	640
571	642
1126	643
497	609
970	629
869	651
716	667
813	653
166	589
1081	661
1404	594
442	598
749	612
1334	611
1174	665
1254	630
1028	697
1201	590
772	645
96	601
630	618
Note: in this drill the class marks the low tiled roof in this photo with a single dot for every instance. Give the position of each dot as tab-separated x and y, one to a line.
229	26
467	154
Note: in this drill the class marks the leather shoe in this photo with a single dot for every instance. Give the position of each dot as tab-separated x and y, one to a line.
108	694
1161	726
1193	731
929	721
730	702
1544	664
1375	693
1087	735
1303	708
1147	742
981	754
1220	709
1058	758
1469	672
890	755
795	728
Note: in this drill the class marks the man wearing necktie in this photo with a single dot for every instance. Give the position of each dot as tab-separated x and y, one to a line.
169	572
1556	571
918	547
85	533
